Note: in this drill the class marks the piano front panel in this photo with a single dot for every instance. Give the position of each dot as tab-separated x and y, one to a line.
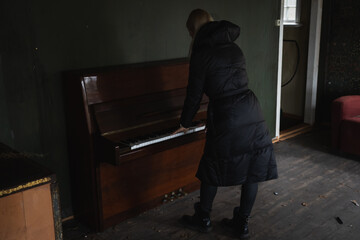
136	182
141	113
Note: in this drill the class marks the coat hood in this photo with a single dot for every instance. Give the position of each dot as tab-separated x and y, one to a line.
216	33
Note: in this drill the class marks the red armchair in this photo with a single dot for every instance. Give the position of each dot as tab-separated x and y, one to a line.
345	124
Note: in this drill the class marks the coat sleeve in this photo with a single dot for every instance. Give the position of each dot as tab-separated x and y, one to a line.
195	89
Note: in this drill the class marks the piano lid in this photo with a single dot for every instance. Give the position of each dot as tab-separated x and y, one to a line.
134	80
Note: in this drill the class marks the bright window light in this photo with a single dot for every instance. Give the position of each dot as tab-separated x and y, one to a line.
291	12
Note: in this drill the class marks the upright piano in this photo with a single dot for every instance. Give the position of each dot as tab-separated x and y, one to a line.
123	157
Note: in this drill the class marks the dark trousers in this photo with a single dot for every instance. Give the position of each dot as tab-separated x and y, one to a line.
247	199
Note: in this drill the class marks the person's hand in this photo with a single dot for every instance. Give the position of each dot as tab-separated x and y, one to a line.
180	129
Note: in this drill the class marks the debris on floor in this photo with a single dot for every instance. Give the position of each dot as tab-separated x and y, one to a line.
339	220
355	203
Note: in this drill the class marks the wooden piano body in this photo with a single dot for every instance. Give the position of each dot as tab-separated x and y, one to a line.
105	106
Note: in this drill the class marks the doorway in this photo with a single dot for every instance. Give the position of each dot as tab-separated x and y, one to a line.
299	44
294	66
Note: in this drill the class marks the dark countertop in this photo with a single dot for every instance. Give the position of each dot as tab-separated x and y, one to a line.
19	172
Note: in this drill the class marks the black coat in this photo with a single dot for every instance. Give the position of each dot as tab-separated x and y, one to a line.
238	148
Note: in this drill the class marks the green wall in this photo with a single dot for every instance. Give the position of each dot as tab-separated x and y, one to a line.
40	39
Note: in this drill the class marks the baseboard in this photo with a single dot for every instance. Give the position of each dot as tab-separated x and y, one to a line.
294	131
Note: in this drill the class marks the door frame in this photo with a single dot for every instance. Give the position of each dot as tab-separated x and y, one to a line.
312	64
279	75
313	61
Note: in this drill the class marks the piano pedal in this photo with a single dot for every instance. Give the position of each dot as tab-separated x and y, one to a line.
170	197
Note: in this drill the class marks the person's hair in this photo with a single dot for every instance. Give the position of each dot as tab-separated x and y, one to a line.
196	19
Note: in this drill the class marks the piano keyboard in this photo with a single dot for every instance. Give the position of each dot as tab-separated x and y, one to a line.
135	144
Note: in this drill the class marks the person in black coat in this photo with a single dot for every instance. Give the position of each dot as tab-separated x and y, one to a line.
238	149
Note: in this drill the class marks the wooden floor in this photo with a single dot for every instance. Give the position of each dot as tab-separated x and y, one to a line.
314	187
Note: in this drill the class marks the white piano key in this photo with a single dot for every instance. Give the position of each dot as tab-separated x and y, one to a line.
162	138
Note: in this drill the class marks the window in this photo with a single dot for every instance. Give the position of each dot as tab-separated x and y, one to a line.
291	12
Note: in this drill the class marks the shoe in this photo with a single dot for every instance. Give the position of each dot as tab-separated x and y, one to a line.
200	221
239	224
